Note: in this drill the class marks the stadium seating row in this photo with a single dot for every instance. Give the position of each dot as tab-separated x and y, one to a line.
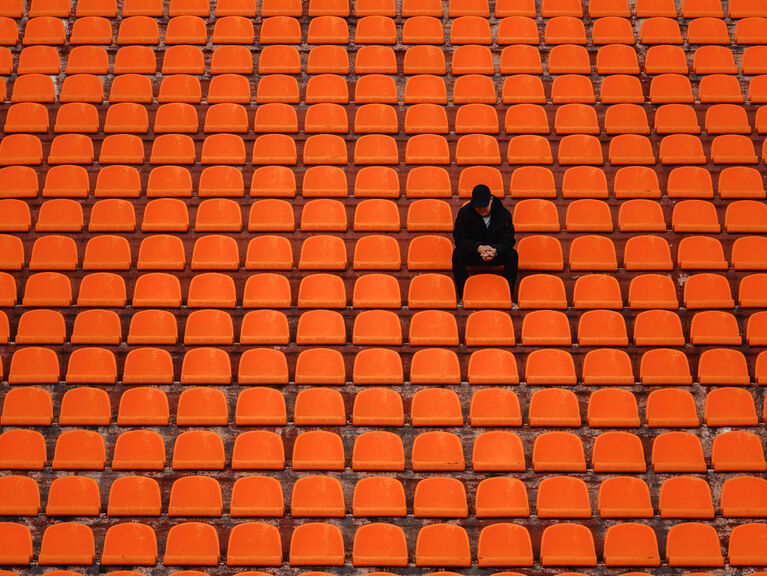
121	181
518	88
373	252
426	328
434	497
373	215
456	8
574	118
543	366
376	29
523	58
495	451
269	290
258	406
317	543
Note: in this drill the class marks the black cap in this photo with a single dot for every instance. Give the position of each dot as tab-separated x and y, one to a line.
480	196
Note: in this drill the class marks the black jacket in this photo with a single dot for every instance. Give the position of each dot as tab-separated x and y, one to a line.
470	232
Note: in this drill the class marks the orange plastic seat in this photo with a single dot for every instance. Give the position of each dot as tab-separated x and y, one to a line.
258	450
431	291
256	496
567	545
671	407
280	30
21	497
130	542
378	407
742	496
321	327
652	291
435	365
433	328
504	544
436	407
607	366
41	289
277	88
730	407
713	59
440	497
550	366
305	501
85	407
260	406
744	548
597	291
647	252
520	59
322	252
153	327
554	407
547	328
138	29
271	215
612	407
79	450
143	406
378	496
495	407
738	450
472	88
442	545
744	216
26	117
624	497
198	450
318	450
489	328
747	253
592	253
641	215
375	29
542	291
558	452
572	88
664	366
602	328
530	118
535	215
618	452
192	543
677	452
749	291
427	252
41	327
693	544
437	451
134	59
22	450
68	543
563	497
32	88
27	406
195	496
631	544
378	451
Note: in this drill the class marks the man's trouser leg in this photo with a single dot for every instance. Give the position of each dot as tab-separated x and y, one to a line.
510	264
460	272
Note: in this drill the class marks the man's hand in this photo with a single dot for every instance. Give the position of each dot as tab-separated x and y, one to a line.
486	252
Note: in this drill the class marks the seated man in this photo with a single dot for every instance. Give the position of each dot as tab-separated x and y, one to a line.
484	236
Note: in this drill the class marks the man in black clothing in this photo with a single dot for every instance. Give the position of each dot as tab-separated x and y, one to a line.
484	236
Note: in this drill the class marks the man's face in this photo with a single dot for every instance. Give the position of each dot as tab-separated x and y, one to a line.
485	212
